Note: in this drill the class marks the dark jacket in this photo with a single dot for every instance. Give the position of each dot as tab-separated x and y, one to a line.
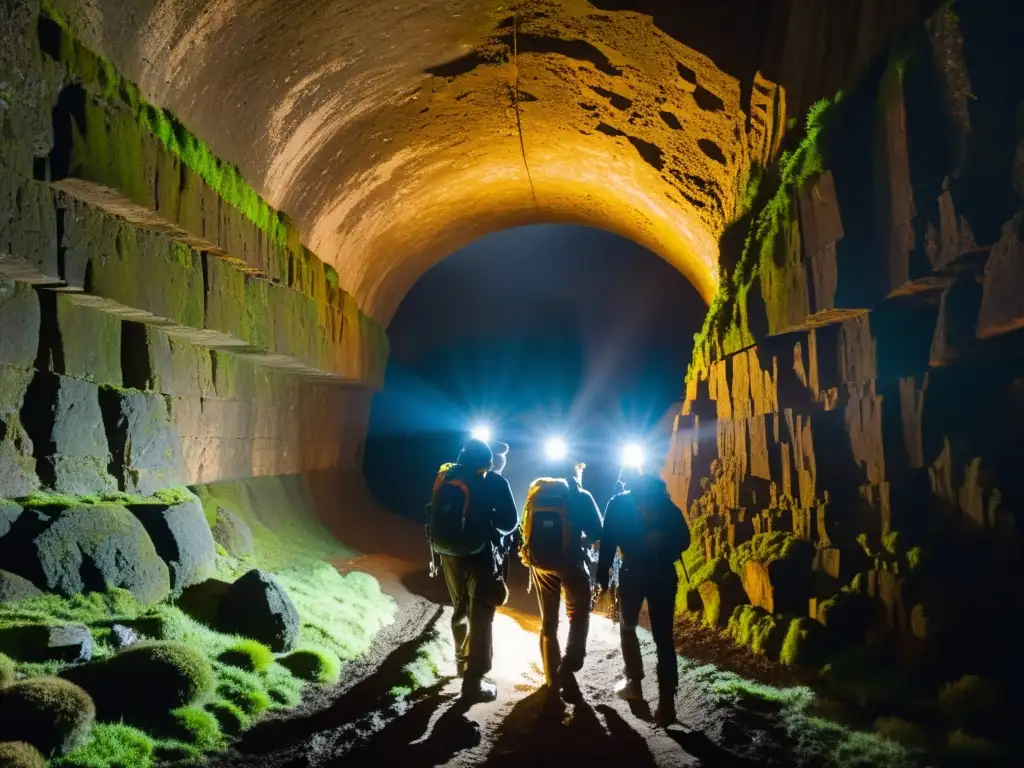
623	530
494	514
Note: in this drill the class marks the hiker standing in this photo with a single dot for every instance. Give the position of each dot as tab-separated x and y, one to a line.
471	509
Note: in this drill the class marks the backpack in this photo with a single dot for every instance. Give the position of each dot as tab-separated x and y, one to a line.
547	532
451	526
663	533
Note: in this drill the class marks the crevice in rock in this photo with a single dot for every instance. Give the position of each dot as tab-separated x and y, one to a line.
515	101
51	347
116	429
136	371
707	101
712	150
671	120
649	153
617	100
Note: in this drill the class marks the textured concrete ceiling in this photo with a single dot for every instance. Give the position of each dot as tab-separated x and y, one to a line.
397	131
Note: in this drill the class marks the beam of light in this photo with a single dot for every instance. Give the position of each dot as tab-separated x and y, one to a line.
481	432
632	455
555	449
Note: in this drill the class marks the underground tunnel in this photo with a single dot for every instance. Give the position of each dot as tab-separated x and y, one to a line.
212	218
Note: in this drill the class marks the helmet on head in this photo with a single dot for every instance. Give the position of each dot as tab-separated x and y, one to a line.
475	455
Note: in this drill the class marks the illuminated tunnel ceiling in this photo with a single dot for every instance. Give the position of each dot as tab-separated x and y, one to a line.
395	132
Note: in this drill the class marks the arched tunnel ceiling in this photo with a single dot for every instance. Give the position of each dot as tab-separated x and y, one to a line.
395	132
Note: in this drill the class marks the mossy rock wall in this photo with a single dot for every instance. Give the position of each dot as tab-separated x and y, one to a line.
161	323
858	384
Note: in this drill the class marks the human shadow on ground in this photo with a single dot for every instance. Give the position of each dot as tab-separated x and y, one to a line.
542	730
420	736
705	750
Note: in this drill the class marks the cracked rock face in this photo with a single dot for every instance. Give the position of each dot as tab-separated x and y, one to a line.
397	133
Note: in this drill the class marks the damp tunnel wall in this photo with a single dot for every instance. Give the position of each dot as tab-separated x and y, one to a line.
184	320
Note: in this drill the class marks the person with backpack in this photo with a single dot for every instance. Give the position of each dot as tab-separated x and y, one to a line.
557	515
472	508
650	531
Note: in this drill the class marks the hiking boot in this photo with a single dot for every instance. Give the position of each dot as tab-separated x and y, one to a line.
479	689
665	714
629	689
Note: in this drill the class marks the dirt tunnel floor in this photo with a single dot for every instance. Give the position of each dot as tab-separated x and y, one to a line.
363	722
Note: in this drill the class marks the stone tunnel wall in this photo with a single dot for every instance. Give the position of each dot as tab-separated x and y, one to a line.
850	441
160	324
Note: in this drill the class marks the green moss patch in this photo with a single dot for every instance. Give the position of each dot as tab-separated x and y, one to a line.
726	327
53	715
756	629
250	655
7	670
764	548
20	754
230	717
314	664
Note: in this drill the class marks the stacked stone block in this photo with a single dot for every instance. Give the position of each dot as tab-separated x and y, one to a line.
879	416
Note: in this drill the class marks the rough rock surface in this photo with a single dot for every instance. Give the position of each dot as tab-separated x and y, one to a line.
71	643
257	606
182	538
233	533
92	548
122	636
15	587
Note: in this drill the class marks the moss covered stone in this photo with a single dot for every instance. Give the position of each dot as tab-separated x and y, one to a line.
233	533
20	754
314	664
53	715
258	606
14	587
66	642
91	548
145	679
755	628
721	598
182	538
144	443
803	642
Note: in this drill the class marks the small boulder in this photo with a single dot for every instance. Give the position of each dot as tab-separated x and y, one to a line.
257	606
9	514
144	679
71	643
122	636
92	548
182	538
51	714
20	754
233	533
720	598
14	587
202	602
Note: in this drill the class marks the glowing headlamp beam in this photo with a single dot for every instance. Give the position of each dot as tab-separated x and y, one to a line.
555	449
632	455
481	432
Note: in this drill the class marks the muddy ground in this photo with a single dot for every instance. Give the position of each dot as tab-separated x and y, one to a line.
362	722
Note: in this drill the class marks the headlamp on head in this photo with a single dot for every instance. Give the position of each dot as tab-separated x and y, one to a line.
556	449
481	432
632	456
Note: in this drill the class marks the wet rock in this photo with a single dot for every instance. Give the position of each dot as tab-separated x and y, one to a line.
122	636
71	643
257	606
9	514
720	598
90	548
233	533
182	538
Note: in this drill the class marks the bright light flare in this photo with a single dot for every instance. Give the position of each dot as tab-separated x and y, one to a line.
632	455
556	449
481	432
